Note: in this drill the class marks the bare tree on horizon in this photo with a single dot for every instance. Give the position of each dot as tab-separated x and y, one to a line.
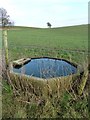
5	18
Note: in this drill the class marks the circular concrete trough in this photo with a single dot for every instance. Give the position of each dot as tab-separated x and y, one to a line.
44	68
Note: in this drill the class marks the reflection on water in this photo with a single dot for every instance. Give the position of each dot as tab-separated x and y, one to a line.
46	68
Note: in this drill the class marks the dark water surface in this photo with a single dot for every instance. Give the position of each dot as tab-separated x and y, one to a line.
46	68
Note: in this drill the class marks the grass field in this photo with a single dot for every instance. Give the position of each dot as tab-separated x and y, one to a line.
28	102
63	42
74	37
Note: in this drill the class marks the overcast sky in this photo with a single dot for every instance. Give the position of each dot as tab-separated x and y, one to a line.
36	13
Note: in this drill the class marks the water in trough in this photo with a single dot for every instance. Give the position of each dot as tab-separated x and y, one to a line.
46	68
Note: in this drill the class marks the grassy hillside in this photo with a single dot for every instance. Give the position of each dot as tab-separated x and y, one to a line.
54	42
74	37
26	99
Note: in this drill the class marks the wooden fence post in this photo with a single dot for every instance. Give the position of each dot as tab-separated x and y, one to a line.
83	82
6	48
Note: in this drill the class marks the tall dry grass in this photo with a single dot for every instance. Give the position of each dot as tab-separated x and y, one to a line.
26	97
